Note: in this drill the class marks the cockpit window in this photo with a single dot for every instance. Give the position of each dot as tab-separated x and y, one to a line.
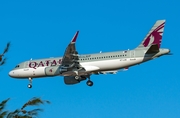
17	66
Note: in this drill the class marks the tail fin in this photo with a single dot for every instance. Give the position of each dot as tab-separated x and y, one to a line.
154	37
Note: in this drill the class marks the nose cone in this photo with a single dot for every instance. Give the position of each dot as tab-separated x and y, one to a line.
11	73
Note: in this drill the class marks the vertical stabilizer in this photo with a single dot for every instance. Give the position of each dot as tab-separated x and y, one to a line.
154	37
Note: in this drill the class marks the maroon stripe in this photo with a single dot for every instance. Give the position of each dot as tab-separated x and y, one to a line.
75	37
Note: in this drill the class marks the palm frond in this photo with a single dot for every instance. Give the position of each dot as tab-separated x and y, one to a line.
2	62
22	113
34	102
7	48
34	112
3	114
3	103
13	114
1	56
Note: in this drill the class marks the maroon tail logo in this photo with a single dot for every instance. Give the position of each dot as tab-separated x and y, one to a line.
154	37
50	70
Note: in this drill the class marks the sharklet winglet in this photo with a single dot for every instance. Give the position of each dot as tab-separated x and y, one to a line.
75	37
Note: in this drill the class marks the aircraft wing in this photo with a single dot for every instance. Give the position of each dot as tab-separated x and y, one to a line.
70	58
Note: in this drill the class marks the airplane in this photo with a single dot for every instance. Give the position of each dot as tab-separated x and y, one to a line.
76	68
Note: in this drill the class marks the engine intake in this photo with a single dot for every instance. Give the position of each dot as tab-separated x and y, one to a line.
69	80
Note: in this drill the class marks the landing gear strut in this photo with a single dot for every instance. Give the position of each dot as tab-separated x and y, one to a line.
30	84
80	78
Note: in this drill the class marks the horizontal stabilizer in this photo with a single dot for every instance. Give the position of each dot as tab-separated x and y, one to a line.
108	72
153	49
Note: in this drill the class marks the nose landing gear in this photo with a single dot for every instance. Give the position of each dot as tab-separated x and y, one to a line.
30	83
29	86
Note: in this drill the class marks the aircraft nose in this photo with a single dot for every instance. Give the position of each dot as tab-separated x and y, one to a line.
11	73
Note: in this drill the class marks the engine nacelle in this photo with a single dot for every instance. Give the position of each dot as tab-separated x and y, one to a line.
71	80
52	71
61	70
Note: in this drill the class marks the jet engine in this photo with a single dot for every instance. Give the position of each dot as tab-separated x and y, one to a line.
71	80
52	71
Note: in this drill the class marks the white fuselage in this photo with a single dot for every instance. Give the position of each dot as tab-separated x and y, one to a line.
93	63
36	69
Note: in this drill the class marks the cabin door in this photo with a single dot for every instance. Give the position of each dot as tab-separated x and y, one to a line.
132	54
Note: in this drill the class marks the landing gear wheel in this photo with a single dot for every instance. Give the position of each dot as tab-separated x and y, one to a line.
29	86
76	77
89	83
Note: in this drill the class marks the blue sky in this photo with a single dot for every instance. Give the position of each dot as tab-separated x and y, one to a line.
40	29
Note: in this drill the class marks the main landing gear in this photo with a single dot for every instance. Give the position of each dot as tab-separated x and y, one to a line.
89	83
80	78
30	83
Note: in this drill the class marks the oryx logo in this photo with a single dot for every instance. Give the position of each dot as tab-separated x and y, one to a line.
155	36
51	70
